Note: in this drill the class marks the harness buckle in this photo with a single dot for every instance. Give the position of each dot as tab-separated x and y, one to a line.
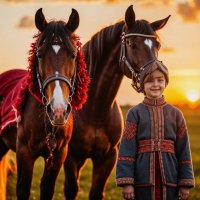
44	100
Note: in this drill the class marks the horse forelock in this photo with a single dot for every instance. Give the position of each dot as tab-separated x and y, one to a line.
82	79
100	47
57	29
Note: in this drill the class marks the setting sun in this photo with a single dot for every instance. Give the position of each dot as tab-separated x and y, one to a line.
192	95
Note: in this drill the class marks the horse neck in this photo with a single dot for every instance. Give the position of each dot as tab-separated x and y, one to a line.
103	66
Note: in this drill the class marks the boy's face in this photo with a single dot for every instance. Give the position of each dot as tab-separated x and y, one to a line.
154	85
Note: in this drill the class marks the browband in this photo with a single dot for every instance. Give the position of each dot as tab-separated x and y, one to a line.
138	34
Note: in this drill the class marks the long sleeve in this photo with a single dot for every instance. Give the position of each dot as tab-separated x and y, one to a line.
183	154
127	152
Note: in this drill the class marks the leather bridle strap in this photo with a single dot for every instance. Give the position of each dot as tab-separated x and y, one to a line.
123	59
139	34
123	49
57	76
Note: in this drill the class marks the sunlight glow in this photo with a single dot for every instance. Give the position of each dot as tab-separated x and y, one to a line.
192	95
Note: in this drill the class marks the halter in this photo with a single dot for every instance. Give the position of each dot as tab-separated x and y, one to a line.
135	75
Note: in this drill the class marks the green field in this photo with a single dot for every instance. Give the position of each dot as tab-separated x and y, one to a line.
112	192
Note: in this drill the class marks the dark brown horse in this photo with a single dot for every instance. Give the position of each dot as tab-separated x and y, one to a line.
98	126
36	105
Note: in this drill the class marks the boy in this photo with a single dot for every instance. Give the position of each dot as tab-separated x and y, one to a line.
154	160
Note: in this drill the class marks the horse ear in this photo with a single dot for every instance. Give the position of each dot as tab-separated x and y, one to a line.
159	24
73	21
40	21
130	16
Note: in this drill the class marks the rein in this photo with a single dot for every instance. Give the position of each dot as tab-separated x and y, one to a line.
123	59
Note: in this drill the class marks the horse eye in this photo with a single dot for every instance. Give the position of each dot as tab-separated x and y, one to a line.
39	54
132	44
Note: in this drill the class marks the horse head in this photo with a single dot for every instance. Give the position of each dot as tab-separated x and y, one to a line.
56	51
139	45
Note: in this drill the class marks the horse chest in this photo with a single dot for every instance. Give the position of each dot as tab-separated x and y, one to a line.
93	140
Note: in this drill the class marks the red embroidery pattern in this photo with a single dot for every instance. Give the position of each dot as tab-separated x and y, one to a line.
151	145
157	102
185	162
186	182
131	159
182	131
129	130
127	180
171	184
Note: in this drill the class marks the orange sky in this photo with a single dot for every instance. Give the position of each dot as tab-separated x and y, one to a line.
180	37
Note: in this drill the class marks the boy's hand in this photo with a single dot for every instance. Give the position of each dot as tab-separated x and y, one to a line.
183	193
128	192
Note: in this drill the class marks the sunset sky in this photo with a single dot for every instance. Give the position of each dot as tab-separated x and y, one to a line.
180	38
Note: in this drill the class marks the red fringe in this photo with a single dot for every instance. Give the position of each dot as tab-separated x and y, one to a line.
21	98
82	80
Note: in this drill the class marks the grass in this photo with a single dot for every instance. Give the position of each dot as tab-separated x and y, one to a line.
112	192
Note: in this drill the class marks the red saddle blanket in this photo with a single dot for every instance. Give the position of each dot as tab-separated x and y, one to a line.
13	86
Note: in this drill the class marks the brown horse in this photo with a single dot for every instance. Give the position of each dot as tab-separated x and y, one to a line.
36	105
98	126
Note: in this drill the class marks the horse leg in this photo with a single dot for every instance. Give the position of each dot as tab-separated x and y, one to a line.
24	172
71	169
48	181
47	185
101	171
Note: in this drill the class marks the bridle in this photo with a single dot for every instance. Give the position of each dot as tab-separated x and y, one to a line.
57	76
43	84
123	59
50	139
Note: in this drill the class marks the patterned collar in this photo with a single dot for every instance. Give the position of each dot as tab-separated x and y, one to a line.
154	102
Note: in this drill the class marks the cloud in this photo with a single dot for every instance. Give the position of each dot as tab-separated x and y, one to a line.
148	3
54	1
26	22
189	11
167	50
18	1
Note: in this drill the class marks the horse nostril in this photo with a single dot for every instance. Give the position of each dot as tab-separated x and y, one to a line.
49	110
59	112
58	115
68	110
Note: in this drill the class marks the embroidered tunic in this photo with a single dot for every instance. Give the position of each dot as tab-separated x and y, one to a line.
155	130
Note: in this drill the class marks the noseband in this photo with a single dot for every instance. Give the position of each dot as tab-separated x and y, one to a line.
43	84
123	59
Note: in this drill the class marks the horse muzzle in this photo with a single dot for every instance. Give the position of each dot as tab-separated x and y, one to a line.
58	115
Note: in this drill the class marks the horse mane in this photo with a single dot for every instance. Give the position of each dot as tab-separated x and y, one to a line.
82	80
97	49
